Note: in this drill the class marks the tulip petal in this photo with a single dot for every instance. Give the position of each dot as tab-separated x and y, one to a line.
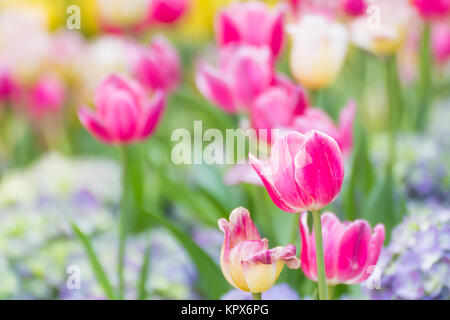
151	115
209	82
227	32
376	243
276	38
331	231
353	250
306	245
319	169
264	172
91	122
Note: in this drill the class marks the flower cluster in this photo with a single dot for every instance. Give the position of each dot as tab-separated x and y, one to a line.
416	263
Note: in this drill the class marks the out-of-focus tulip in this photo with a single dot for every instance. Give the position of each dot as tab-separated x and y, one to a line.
9	89
318	52
244	72
277	106
429	9
251	23
158	66
167	11
441	41
246	260
46	96
351	250
305	172
124	114
382	31
317	119
122	14
353	8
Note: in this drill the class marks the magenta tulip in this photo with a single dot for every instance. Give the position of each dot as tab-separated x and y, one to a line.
244	72
167	11
305	172
158	66
246	260
251	23
124	114
429	9
46	96
351	250
353	8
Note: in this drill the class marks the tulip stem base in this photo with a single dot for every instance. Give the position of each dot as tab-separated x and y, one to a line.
256	296
319	255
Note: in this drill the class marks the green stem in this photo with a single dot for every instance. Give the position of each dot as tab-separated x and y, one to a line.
425	81
330	289
256	296
319	255
123	228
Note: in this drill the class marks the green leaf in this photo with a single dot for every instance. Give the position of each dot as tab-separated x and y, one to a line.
211	282
100	274
141	288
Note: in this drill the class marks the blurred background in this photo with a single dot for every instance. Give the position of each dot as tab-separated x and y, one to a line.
53	55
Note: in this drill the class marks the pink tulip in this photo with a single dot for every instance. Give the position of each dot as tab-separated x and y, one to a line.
124	114
441	41
278	105
158	66
9	88
251	23
429	9
244	72
353	8
246	260
317	119
46	96
351	250
167	11
305	172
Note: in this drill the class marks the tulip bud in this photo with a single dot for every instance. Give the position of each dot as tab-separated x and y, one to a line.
46	96
246	260
351	250
251	23
305	172
123	113
167	11
318	51
122	14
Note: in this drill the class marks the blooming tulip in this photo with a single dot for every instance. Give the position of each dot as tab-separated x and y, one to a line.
318	51
123	114
251	23
305	172
158	66
246	260
351	250
244	72
432	8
